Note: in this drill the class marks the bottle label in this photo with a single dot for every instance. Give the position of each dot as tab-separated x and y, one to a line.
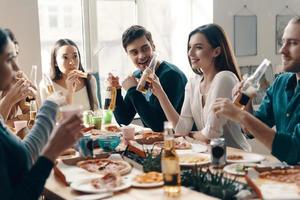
170	166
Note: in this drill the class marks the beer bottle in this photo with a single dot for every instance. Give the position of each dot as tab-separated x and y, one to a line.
148	74
49	84
110	97
251	85
170	163
32	113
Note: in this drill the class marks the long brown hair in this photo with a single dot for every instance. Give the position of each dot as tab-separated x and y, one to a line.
216	37
56	74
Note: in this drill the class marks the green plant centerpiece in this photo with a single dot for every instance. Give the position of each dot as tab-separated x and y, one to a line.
152	161
212	183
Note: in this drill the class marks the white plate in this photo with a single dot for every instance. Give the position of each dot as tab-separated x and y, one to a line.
85	185
235	168
247	158
200	155
146	185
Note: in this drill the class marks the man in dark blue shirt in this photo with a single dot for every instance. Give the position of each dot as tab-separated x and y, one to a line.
139	46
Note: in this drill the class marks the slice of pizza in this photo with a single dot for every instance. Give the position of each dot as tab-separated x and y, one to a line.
109	180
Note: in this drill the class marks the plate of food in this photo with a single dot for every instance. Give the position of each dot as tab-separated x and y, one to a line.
244	158
192	159
148	180
100	166
112	128
109	182
238	168
180	144
149	137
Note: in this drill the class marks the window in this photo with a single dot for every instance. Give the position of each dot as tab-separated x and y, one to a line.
59	19
113	18
169	21
53	23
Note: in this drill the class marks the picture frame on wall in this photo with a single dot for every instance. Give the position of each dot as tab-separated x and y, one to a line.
245	35
281	22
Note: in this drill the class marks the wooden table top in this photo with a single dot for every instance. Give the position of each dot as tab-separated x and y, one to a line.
55	189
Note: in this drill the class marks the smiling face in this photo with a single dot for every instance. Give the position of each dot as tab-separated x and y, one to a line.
290	50
200	52
67	58
6	59
140	52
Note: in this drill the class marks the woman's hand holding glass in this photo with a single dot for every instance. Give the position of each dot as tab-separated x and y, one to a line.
63	137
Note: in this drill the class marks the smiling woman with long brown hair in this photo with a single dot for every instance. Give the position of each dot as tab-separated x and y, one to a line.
68	76
211	58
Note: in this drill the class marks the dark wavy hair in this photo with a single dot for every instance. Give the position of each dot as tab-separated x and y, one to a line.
134	32
56	74
13	38
216	37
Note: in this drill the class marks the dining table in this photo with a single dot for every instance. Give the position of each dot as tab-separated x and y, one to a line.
55	189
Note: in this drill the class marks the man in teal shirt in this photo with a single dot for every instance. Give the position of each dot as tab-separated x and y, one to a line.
280	106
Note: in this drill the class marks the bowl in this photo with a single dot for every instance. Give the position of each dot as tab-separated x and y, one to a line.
109	142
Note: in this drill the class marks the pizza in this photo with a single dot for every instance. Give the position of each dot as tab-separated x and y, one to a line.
149	137
180	143
109	180
235	157
112	128
193	159
150	177
81	73
282	175
105	165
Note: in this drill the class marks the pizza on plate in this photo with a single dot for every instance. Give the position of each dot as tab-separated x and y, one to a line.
149	137
180	143
282	175
112	128
109	180
150	177
193	159
105	165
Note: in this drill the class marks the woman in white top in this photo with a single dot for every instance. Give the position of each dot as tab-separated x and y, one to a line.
68	76
211	58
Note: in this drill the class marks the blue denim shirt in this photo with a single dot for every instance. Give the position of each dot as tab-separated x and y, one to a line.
281	108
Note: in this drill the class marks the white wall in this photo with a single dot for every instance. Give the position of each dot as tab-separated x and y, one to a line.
266	11
21	16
